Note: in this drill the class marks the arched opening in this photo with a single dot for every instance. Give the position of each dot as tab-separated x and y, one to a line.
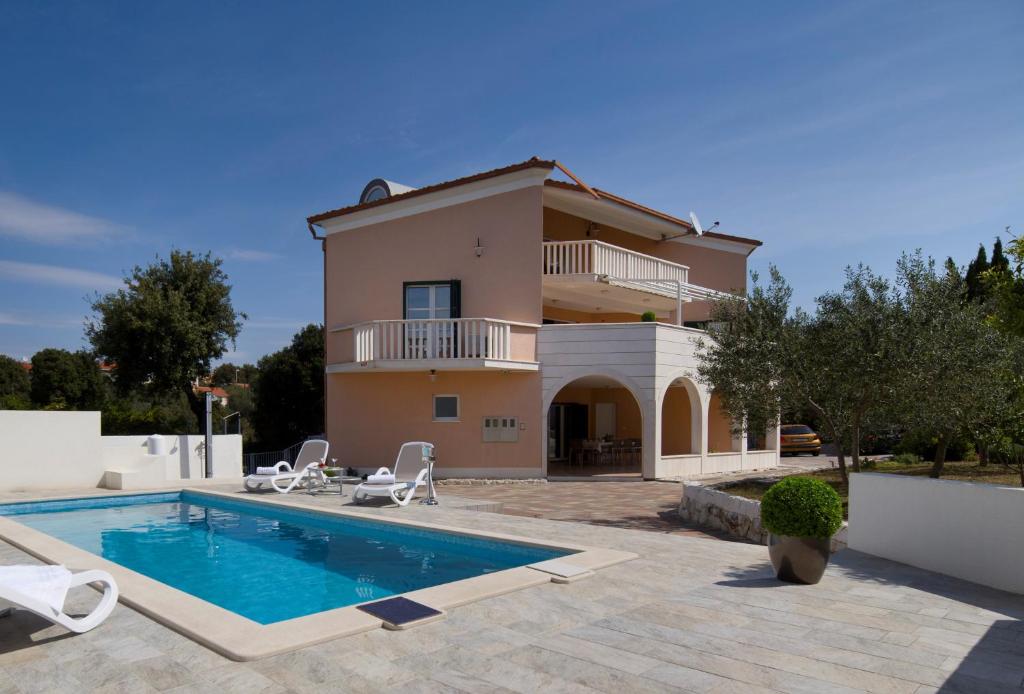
680	419
595	427
721	438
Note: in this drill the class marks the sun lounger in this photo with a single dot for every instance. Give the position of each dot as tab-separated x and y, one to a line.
284	477
400	484
43	589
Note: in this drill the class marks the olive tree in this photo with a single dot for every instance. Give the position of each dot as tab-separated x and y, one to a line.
165	327
840	361
855	336
955	367
742	362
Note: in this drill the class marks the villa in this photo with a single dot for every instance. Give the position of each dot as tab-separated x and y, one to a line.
499	316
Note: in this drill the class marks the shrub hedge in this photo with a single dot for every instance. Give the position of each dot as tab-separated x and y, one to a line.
802	507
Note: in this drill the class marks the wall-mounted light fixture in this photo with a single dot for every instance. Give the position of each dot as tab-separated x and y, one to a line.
479	249
433	375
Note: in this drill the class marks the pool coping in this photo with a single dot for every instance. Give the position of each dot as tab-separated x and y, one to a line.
240	638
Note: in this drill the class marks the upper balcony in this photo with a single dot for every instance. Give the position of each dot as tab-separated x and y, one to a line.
592	275
444	344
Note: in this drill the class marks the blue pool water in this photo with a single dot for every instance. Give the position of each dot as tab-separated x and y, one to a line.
267	563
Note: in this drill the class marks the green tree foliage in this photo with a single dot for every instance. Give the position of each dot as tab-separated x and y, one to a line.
956	364
743	362
142	414
857	330
14	385
289	393
228	373
973	278
839	362
165	327
66	380
1006	282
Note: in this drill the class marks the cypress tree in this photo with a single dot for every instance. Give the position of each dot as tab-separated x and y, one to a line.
999	261
973	278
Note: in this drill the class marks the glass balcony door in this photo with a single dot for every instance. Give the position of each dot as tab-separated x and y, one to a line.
428	302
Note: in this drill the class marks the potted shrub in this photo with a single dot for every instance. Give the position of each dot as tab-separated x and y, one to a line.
648	317
801	515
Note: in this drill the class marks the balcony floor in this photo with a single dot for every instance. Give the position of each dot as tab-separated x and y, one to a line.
395	365
588	293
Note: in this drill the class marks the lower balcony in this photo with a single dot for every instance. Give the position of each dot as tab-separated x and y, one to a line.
444	344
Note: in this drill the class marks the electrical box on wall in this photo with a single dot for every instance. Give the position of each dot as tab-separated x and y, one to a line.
501	429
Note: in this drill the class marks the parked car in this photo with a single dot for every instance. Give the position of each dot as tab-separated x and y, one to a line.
799	438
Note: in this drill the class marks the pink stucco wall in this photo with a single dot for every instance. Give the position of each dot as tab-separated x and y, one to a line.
371	415
368	415
365	267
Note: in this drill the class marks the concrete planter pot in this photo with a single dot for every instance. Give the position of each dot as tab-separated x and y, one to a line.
798	559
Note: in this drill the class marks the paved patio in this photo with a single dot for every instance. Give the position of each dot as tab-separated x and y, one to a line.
688	615
651	506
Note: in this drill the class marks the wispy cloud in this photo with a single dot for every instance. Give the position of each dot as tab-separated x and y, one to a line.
38	321
37	273
250	255
33	221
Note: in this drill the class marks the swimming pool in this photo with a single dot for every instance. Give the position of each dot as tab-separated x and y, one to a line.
265	562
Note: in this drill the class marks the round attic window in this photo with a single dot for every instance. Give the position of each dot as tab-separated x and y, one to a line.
375	193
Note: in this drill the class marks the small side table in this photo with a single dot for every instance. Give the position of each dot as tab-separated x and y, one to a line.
339	478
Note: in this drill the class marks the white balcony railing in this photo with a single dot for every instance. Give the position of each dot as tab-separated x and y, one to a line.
598	258
443	338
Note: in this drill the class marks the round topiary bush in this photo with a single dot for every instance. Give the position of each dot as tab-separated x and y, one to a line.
802	507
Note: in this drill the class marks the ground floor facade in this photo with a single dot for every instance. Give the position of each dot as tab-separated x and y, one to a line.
605	398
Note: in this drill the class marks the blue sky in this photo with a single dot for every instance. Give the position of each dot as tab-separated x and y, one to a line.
835	132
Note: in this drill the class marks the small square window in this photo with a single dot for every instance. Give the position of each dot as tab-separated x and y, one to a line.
446	408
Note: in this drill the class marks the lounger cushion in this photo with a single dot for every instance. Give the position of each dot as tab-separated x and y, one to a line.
47	584
266	471
380	479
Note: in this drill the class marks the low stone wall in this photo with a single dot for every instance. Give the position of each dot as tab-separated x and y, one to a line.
717	510
734	515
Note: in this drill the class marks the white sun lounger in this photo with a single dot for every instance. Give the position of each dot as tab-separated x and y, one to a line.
399	484
43	589
284	477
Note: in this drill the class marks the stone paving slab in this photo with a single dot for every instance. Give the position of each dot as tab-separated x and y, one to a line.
688	615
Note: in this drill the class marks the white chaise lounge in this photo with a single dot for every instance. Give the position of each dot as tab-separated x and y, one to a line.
401	483
284	477
43	589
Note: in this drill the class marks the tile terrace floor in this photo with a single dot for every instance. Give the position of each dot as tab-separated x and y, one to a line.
638	505
688	615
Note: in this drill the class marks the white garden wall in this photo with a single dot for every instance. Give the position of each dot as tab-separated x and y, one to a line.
48	450
971	531
59	450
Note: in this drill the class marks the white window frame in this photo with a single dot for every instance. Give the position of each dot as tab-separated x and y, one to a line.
458	407
433	308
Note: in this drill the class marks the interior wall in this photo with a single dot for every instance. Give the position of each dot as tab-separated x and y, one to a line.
676	423
558	313
628	420
709	267
720	438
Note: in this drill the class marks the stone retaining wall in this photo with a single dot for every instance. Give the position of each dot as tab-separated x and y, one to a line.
734	515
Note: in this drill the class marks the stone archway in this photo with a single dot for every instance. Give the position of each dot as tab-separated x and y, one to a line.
595	426
682	427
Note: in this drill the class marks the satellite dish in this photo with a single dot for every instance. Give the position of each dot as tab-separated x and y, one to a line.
696	224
